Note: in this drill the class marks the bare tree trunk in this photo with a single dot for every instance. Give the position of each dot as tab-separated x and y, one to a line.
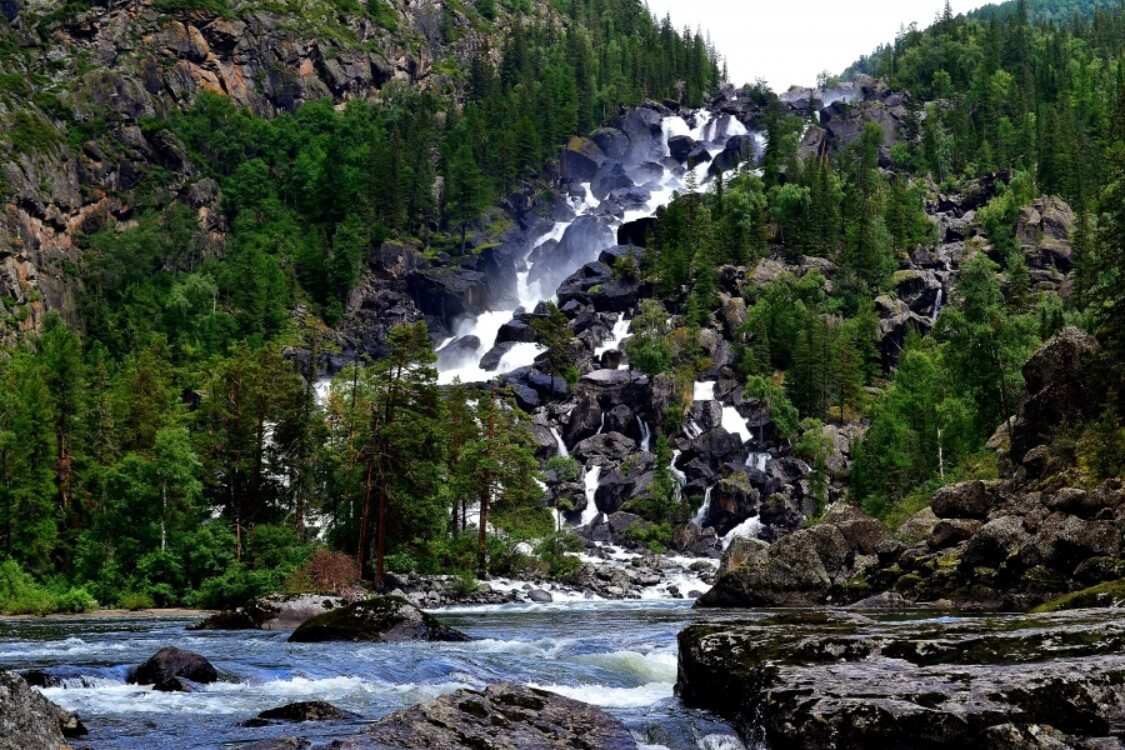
365	520
485	496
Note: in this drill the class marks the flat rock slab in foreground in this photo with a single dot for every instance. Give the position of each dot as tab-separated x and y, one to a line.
826	681
502	717
385	619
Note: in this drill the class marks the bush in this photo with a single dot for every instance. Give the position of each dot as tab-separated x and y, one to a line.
327	571
555	551
135	600
21	595
566	468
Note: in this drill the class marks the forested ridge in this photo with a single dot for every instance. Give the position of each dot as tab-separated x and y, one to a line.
166	446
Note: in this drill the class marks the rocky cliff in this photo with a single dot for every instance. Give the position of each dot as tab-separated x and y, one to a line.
81	83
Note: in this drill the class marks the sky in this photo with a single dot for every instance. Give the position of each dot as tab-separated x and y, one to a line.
789	42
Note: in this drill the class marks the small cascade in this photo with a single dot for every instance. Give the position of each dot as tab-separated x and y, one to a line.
601	427
748	529
736	424
590	513
617	337
692	430
322	387
936	311
759	461
680	476
559	442
705	509
646	435
704	391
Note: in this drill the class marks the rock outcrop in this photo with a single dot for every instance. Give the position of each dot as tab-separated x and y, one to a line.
28	721
832	680
503	717
274	612
385	619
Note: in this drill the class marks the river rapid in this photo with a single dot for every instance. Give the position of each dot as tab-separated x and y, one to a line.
620	656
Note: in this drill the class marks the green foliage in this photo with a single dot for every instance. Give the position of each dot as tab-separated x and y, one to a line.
567	469
20	595
782	412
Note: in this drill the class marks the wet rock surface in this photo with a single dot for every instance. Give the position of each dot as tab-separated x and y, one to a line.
822	680
386	619
29	721
170	667
503	717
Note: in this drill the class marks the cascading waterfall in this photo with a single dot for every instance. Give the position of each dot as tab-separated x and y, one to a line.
646	435
678	474
748	529
759	461
559	442
590	512
936	311
705	509
617	336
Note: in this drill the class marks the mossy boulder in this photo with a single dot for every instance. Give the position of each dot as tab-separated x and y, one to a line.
1111	594
384	619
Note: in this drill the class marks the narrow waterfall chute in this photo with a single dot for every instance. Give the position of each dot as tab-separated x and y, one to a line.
590	512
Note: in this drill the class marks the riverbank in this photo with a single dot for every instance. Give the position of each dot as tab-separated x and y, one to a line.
173	613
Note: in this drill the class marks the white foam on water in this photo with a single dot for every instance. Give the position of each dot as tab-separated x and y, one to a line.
617	336
646	435
659	666
612	697
759	461
560	443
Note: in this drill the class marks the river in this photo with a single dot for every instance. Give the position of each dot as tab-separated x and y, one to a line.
620	656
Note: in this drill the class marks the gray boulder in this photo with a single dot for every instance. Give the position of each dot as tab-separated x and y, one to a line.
385	619
502	717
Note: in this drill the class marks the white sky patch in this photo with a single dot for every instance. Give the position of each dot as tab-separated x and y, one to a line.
788	43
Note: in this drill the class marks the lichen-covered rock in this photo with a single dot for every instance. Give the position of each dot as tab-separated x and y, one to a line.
28	721
500	717
273	612
829	681
385	619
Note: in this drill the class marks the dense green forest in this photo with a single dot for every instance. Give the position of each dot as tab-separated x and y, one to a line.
167	452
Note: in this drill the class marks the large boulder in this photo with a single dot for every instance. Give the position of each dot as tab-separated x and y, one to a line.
580	160
503	717
385	619
28	721
166	669
964	500
272	612
450	293
1061	388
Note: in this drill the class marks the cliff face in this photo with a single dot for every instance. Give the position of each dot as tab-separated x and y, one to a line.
77	87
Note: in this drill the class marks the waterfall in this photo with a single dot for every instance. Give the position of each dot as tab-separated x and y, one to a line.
321	388
936	311
559	442
736	424
680	477
617	337
529	293
705	509
704	391
748	529
692	430
646	435
601	427
759	461
591	511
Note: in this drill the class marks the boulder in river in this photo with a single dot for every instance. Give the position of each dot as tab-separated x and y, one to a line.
503	717
825	680
29	721
384	619
300	712
169	666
